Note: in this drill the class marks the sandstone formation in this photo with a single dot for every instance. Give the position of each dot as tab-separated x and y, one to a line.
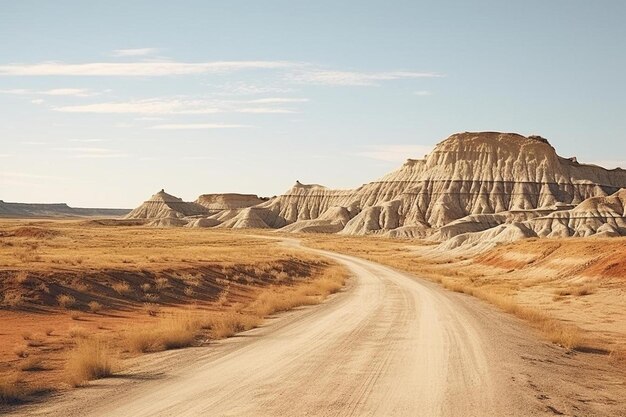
473	187
163	205
219	202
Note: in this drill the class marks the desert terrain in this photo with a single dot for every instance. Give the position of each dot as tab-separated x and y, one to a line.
529	328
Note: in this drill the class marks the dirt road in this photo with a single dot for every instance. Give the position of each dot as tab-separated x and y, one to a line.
390	345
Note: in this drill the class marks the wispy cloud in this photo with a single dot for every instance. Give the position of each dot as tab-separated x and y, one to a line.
37	101
247	89
135	52
86	140
422	93
188	126
73	92
155	106
198	158
147	106
139	69
88	152
271	100
353	78
395	153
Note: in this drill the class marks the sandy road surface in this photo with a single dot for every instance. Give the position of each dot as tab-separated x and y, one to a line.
390	345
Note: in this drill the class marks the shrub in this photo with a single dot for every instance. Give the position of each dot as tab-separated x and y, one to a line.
12	390
95	306
66	301
90	359
122	288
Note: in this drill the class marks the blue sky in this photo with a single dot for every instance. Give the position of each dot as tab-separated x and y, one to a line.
104	103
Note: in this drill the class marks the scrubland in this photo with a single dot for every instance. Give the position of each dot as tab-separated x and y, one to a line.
573	290
78	300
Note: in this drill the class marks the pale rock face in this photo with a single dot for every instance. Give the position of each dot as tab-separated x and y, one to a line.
219	202
162	205
473	189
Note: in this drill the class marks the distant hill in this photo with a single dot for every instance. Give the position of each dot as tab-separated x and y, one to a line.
55	210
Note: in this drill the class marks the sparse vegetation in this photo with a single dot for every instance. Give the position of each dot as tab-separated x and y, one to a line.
31	364
12	390
172	332
122	288
90	359
66	301
94	306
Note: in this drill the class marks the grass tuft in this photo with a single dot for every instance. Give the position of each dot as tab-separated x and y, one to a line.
90	359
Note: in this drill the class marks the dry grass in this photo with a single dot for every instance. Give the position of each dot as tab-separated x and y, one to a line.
122	288
78	333
13	390
94	307
577	291
31	364
12	300
222	325
66	301
172	332
90	359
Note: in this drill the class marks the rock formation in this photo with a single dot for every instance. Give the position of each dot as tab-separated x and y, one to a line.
473	187
55	210
163	205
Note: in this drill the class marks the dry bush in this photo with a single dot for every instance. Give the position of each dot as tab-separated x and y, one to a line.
12	300
151	308
224	325
12	390
189	291
66	301
567	336
27	255
122	288
586	289
95	306
151	298
161	283
577	291
270	302
31	364
20	277
75	315
146	287
90	359
78	333
49	331
172	332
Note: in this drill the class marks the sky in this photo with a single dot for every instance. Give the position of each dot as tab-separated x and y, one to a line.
105	103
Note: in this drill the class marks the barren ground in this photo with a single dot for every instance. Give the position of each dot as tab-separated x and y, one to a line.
391	343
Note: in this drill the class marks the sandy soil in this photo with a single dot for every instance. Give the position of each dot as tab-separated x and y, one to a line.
390	345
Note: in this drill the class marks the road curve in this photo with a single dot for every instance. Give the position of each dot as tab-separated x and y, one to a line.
390	345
